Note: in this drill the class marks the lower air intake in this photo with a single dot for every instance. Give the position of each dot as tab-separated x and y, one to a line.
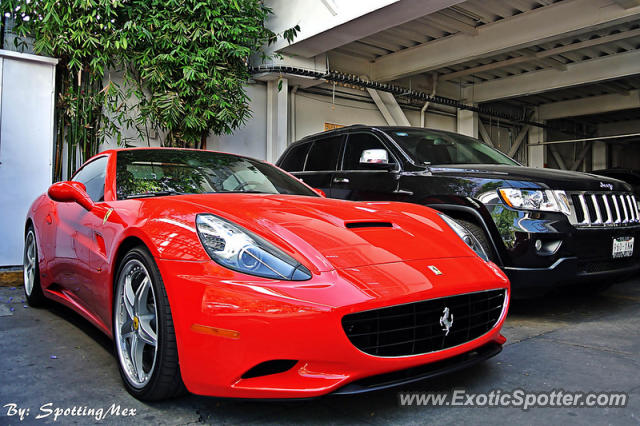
274	366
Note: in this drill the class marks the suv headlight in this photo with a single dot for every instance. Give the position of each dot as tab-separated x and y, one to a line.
536	199
466	236
239	249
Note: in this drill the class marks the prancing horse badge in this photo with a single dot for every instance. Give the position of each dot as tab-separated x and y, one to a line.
434	270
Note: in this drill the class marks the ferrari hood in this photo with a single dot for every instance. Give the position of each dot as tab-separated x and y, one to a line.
335	234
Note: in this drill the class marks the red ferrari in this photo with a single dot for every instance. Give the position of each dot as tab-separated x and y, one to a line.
225	276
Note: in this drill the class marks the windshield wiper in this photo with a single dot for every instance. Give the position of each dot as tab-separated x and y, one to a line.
155	194
244	192
238	192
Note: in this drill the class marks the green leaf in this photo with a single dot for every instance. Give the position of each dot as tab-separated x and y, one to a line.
183	64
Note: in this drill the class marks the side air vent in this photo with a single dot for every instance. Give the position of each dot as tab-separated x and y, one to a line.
274	366
355	225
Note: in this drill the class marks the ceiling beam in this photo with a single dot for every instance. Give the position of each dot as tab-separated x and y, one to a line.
449	24
581	156
590	105
408	34
580	73
320	34
628	4
520	138
526	56
390	46
369	48
484	134
394	108
484	68
551	63
556	156
382	107
477	14
554	22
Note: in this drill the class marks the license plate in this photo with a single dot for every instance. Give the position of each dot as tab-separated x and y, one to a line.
622	247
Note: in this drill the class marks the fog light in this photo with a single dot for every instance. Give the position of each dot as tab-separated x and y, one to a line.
547	248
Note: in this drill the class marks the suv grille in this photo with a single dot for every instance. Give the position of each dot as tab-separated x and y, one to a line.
416	328
603	209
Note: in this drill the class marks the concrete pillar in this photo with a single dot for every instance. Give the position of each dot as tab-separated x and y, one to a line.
277	91
537	153
599	155
468	123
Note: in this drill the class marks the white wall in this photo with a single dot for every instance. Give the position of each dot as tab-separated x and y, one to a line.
312	112
251	139
26	143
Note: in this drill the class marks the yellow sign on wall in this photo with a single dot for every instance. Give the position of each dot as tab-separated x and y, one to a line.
331	126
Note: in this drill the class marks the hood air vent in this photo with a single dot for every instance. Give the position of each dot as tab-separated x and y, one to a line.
355	225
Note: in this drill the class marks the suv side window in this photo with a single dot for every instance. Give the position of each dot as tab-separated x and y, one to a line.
294	161
324	154
93	175
358	142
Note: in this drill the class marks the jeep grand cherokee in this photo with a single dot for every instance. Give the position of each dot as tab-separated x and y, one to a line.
544	227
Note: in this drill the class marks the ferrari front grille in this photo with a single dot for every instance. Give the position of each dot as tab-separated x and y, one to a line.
426	326
603	209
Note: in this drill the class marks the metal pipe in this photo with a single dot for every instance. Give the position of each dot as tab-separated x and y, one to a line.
335	76
599	138
292	117
426	104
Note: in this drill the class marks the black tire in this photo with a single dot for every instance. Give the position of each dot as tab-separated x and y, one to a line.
165	381
31	270
481	236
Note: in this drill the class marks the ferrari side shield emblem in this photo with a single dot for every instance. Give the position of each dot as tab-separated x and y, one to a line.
434	270
106	216
446	321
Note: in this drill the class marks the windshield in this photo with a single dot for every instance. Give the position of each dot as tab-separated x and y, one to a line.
438	148
142	173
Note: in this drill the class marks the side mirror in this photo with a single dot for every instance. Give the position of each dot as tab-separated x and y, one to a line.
320	192
69	191
376	159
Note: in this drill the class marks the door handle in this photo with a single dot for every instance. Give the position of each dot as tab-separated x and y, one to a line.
340	180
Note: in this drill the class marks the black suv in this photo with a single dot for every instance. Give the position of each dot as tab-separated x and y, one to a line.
544	227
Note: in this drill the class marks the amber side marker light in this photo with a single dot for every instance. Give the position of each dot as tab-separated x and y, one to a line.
505	198
214	331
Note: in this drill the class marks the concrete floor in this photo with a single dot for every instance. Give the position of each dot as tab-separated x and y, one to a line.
585	343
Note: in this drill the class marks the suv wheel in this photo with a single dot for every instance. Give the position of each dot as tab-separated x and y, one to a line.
481	236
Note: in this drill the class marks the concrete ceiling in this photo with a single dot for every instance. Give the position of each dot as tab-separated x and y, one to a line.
535	51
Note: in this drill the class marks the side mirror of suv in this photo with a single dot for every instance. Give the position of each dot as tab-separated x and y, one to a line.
376	159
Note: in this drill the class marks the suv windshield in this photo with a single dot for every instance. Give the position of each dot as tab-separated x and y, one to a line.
143	172
438	148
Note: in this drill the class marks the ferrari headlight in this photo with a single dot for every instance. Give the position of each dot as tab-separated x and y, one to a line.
236	248
466	236
536	199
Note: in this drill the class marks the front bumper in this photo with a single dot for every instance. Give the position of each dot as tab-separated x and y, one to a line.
264	320
423	372
584	256
568	271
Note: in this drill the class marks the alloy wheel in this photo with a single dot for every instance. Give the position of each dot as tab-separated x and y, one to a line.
29	262
136	323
